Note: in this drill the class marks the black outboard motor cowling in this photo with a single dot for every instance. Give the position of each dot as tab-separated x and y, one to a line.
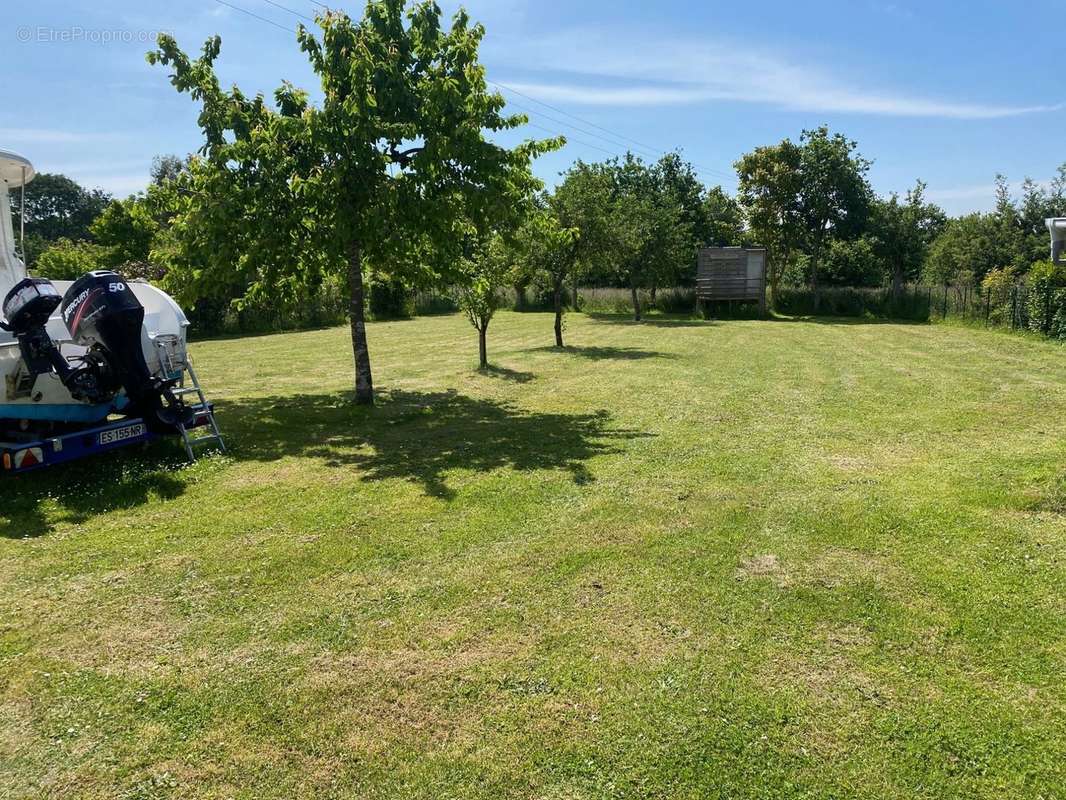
27	309
101	311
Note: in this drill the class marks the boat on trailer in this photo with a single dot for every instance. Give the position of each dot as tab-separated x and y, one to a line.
91	365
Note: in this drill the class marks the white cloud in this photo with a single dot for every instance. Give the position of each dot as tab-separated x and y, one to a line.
634	70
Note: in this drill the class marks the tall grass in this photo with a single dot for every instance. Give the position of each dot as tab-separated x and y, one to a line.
844	301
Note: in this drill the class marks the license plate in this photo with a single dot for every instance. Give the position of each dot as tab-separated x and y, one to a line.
122	434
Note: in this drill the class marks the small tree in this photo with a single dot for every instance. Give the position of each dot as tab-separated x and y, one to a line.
383	175
805	194
768	192
902	233
486	271
834	196
549	251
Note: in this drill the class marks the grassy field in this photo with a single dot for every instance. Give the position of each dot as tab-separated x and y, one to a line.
676	560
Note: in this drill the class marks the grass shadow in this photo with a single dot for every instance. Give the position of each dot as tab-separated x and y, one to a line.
417	436
655	321
114	481
413	436
851	321
604	353
505	374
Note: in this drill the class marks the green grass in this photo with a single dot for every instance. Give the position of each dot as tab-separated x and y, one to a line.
677	560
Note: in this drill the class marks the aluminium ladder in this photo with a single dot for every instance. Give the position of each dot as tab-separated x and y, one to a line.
189	384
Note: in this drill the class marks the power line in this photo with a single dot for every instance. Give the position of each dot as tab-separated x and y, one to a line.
253	15
572	139
621	136
563	122
700	172
648	149
286	8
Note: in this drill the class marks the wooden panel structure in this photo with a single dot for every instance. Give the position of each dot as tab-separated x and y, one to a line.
732	274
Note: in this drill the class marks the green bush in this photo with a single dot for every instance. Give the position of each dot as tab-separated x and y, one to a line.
389	299
66	260
1047	299
327	305
996	291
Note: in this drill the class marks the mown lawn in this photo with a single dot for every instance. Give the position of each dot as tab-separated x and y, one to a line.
677	560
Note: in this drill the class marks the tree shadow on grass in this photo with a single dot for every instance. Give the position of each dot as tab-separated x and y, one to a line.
418	436
650	322
846	321
112	482
505	374
604	353
413	436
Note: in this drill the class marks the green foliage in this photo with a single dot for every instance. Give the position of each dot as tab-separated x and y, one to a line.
723	220
769	184
1047	299
675	300
966	248
384	175
388	298
853	263
996	289
803	196
901	234
127	228
636	221
846	301
57	207
487	269
66	260
167	168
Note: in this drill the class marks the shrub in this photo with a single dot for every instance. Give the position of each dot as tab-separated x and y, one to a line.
65	260
853	302
1047	299
389	299
996	288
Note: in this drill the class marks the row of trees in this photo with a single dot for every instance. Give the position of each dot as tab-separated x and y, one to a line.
395	177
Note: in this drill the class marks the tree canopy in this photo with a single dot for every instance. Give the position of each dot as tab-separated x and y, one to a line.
387	173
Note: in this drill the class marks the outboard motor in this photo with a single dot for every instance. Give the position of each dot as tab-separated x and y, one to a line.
104	316
27	308
102	313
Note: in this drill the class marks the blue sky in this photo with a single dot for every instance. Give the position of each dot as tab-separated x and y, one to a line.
948	93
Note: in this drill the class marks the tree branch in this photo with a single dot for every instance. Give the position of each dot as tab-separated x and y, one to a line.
403	158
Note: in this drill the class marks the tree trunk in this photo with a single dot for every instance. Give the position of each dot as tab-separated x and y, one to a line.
364	381
483	350
897	281
636	299
558	293
815	256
